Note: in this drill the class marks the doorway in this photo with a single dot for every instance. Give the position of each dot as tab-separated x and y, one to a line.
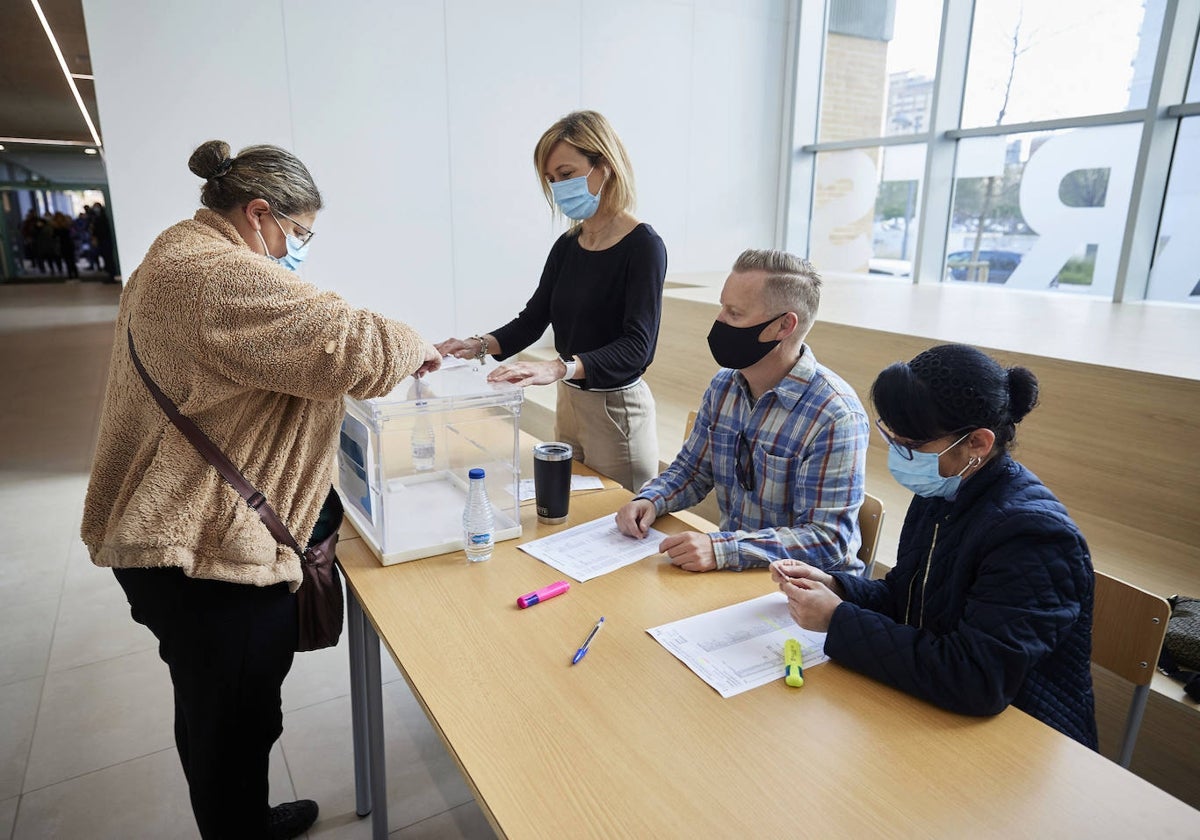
53	234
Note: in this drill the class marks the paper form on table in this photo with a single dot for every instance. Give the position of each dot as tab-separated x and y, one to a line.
592	549
739	647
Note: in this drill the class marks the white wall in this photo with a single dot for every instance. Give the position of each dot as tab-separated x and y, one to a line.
174	75
418	120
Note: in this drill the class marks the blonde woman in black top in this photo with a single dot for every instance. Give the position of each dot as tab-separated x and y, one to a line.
601	290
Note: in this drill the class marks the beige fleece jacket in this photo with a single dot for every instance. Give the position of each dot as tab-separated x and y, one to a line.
260	360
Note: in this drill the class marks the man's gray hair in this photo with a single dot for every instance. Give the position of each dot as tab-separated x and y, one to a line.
791	285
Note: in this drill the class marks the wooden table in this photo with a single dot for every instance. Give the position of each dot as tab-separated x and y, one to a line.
630	743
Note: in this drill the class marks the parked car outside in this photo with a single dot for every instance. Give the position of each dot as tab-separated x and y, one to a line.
891	268
1001	265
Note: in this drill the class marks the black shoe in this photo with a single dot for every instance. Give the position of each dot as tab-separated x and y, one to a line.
291	819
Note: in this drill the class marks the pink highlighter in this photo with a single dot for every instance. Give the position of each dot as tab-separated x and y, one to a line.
543	594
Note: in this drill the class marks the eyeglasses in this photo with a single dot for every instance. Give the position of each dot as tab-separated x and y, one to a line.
905	450
307	234
743	465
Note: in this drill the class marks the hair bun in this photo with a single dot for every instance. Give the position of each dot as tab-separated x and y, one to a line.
210	160
1022	392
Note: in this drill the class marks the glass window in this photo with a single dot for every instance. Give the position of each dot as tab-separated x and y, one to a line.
1175	271
1193	89
1042	210
1042	61
865	210
879	67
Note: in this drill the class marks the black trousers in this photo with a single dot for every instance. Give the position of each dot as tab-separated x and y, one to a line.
228	646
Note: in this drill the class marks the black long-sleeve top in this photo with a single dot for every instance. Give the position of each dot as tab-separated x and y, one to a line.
605	307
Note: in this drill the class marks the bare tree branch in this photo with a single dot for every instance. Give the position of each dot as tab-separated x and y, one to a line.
989	192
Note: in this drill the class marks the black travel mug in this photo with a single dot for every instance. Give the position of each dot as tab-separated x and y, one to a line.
552	481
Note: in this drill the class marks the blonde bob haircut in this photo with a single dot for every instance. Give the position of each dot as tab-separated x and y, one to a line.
591	134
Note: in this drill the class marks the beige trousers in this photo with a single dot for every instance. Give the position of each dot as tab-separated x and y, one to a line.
613	432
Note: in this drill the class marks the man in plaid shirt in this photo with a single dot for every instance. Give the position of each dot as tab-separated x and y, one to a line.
781	438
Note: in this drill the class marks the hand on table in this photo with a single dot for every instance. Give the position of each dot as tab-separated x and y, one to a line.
635	518
691	551
529	373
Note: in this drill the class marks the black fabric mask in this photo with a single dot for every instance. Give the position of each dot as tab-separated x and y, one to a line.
739	347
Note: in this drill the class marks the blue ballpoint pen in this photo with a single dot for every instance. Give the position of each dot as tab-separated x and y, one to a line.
583	649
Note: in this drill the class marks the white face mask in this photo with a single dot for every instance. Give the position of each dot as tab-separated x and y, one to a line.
921	474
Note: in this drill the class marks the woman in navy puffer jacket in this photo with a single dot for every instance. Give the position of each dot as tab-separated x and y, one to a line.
990	601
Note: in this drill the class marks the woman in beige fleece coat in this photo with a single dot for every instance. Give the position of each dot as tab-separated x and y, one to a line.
260	360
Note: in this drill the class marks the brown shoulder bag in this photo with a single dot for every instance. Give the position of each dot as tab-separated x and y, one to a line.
319	600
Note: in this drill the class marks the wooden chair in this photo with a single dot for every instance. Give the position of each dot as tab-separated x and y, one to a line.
1128	626
870	517
870	525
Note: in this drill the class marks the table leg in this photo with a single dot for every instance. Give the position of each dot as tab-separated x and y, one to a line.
358	705
374	697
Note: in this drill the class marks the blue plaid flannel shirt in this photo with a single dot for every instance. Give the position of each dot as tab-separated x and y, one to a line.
808	441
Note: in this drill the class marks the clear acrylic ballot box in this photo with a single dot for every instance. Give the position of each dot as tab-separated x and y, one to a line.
403	460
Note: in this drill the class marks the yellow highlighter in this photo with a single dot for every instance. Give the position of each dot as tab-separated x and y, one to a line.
793	664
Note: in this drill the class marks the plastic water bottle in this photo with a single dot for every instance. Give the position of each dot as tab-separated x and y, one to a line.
478	523
422	441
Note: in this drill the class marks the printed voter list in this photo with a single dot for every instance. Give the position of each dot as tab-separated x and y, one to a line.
739	647
592	549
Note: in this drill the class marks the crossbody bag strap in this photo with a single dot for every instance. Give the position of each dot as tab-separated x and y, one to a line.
213	454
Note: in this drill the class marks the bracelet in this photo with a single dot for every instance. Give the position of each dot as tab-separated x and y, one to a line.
482	354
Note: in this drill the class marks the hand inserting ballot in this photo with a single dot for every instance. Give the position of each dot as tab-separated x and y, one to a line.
432	361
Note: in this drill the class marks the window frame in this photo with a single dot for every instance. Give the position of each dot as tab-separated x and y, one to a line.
1167	105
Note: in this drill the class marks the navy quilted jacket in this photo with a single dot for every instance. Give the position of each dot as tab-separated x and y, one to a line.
990	603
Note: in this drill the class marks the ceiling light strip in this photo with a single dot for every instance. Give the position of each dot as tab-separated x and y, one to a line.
62	62
37	141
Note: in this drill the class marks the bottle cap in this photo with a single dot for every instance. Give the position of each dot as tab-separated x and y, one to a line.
475	473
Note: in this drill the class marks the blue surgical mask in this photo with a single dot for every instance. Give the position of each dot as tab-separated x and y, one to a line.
921	474
296	250
573	198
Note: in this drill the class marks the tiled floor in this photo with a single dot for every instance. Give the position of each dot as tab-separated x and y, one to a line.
86	749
